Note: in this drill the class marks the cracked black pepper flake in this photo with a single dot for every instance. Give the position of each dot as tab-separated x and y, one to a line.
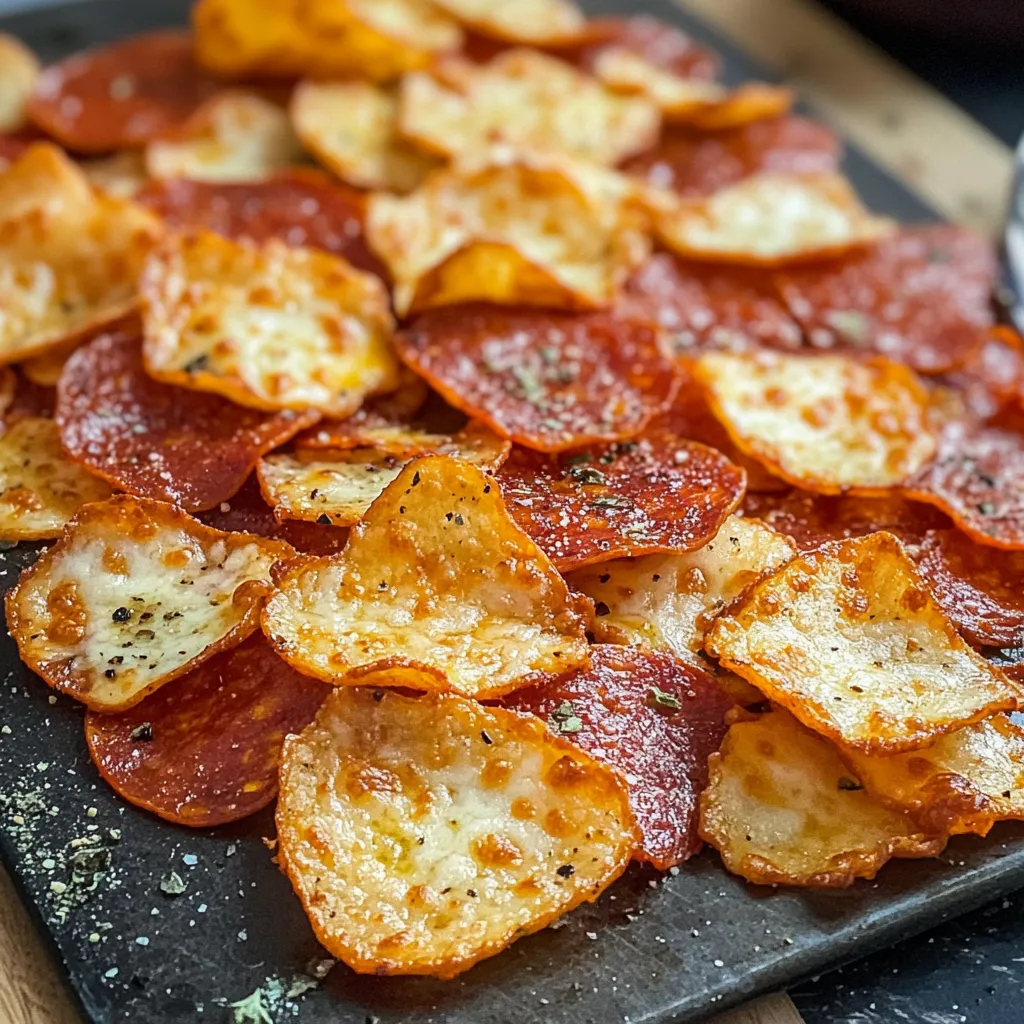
566	871
849	785
324	520
586	475
142	732
601	609
121	614
487	739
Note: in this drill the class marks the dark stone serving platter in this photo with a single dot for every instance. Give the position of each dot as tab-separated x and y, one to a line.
652	950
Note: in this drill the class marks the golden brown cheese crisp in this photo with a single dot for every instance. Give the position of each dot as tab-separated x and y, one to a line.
135	594
540	22
69	256
528	101
670	601
352	129
423	835
268	326
329	39
234	137
19	70
964	782
849	639
336	488
40	487
772	219
437	589
824	423
511	230
782	809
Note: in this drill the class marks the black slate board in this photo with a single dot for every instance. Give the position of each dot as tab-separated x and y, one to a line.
652	950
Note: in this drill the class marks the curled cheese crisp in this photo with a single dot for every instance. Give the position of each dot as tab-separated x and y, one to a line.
19	71
437	589
540	22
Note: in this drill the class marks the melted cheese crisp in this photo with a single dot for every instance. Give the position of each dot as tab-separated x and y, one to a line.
40	488
268	326
964	782
669	601
135	594
423	835
69	257
511	230
528	101
771	220
337	487
328	39
705	105
236	136
351	128
19	69
782	809
518	21
437	589
824	423
849	639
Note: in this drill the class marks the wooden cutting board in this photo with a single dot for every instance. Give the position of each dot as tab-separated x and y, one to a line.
903	124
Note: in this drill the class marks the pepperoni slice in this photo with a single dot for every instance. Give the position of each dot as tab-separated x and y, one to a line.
655	493
654	718
980	588
302	208
657	42
696	163
549	381
711	306
122	95
991	378
247	512
155	441
921	297
205	749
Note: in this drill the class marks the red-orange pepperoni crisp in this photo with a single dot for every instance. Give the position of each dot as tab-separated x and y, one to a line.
655	493
696	163
549	381
122	95
921	297
654	718
155	441
302	208
205	749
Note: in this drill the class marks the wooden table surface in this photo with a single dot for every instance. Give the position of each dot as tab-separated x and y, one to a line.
903	124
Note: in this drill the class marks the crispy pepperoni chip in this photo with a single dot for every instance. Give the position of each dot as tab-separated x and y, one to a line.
990	379
696	163
980	588
301	208
656	493
205	750
123	95
192	449
704	306
546	380
248	512
921	297
653	718
660	44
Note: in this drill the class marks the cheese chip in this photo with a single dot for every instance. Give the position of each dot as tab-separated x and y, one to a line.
540	22
423	835
772	219
965	782
121	175
19	69
518	231
69	257
782	809
268	326
849	639
437	590
824	423
236	136
133	595
40	488
336	488
528	101
329	39
351	128
708	106
669	601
